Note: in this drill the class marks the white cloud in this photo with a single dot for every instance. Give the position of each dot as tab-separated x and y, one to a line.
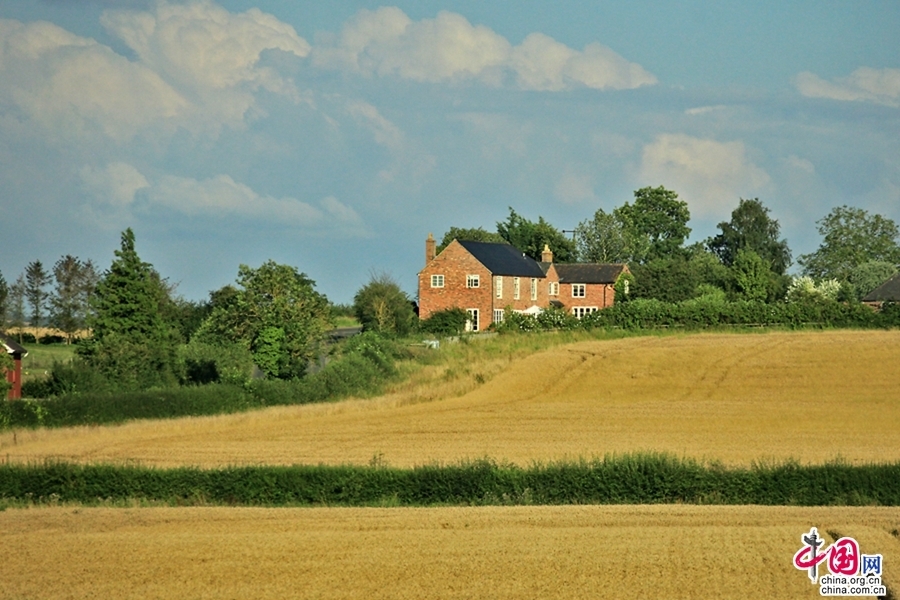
709	175
448	47
200	44
702	110
197	67
383	131
115	185
881	86
70	85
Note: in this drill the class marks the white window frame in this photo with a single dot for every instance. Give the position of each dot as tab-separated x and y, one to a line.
498	287
498	315
437	281
472	321
554	288
515	288
473	281
533	288
579	290
583	311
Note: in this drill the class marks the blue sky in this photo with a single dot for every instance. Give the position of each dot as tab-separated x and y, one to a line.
335	136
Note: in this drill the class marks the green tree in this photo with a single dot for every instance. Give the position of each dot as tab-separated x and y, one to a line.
381	306
75	283
655	225
276	313
530	237
751	275
36	279
478	234
869	275
851	237
751	228
16	305
130	342
601	239
4	298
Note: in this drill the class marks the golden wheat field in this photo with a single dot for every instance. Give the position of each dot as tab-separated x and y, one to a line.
667	552
735	398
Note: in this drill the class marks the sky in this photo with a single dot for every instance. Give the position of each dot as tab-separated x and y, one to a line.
335	136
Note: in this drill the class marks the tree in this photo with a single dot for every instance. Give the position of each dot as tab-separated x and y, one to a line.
601	239
130	342
478	234
851	237
655	225
16	305
276	314
381	306
751	275
751	228
4	298
869	275
530	237
36	279
75	282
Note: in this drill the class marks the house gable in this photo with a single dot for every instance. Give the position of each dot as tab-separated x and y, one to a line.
15	375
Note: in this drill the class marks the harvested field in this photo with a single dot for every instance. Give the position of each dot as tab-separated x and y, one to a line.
523	552
734	398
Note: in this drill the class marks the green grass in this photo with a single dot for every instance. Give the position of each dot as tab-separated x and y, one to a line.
344	321
40	359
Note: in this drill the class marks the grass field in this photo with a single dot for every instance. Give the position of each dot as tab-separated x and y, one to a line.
496	552
735	398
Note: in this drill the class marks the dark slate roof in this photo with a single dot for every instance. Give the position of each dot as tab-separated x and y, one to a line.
503	259
12	347
889	290
589	272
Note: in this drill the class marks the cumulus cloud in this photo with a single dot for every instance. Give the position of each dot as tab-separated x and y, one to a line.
69	84
115	184
197	67
387	42
881	86
709	175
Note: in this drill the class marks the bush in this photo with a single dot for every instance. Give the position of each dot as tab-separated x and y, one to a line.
446	322
51	339
215	363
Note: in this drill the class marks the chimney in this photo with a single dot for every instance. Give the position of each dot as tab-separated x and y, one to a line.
547	254
430	249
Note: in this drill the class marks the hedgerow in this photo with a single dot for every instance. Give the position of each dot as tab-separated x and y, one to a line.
626	479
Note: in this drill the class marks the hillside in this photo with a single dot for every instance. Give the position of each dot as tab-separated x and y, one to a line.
734	398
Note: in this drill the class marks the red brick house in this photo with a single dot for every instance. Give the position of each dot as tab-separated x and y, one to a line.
15	375
487	279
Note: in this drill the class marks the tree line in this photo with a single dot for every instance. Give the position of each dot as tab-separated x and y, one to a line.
747	259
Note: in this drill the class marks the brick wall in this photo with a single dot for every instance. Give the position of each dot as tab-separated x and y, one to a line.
455	264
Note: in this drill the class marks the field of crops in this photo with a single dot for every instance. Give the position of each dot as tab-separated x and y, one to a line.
735	398
491	552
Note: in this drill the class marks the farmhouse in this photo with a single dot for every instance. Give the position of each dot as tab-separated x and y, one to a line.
889	291
14	376
487	279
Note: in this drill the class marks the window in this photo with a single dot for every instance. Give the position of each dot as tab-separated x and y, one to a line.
533	288
472	321
515	288
498	315
472	281
554	288
498	286
437	281
578	290
580	311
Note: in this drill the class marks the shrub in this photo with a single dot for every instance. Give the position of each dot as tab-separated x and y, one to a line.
446	322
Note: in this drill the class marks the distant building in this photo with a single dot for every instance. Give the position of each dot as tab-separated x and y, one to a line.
15	375
487	279
889	291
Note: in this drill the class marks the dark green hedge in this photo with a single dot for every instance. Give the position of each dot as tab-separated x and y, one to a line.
629	479
364	365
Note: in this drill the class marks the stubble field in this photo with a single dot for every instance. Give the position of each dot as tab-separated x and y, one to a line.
810	397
